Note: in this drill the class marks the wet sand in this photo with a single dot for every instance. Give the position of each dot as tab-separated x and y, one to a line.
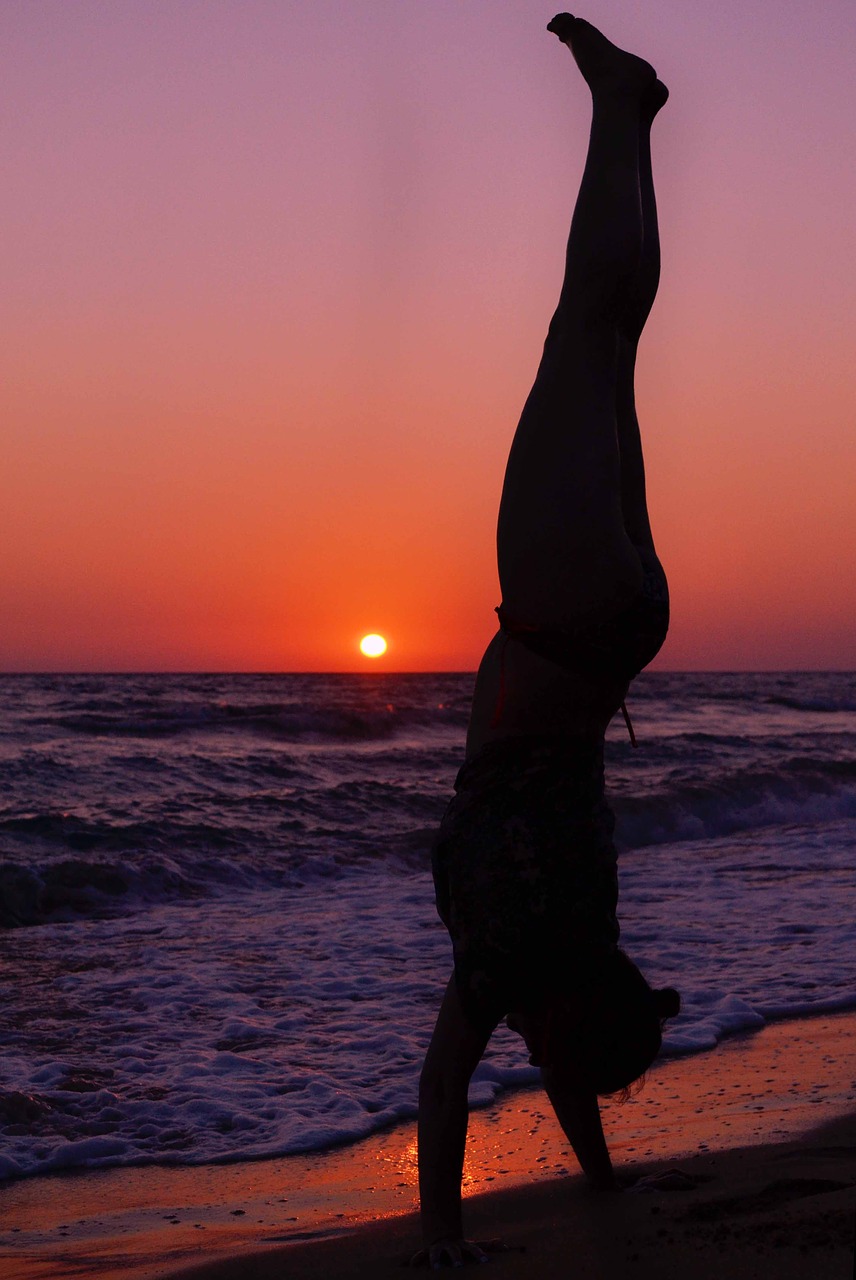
763	1128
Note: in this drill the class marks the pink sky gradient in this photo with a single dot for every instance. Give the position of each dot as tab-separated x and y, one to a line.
276	281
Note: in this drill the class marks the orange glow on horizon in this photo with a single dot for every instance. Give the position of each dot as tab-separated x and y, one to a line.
276	295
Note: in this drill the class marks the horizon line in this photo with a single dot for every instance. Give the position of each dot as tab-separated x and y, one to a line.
450	671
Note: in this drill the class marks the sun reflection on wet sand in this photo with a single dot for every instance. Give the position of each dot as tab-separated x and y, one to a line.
758	1087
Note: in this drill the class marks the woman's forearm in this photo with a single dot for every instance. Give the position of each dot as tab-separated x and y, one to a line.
578	1113
442	1135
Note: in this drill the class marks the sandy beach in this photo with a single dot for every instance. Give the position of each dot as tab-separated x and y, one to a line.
762	1130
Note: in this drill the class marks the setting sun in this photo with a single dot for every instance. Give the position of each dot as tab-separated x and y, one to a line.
373	646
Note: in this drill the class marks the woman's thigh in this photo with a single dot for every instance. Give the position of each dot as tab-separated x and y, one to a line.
564	556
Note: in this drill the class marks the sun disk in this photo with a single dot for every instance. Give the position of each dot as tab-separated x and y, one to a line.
373	646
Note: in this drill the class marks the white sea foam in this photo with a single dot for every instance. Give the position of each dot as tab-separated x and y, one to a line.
284	1022
224	939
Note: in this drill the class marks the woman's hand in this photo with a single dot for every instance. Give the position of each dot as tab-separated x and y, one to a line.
609	1181
448	1253
455	1252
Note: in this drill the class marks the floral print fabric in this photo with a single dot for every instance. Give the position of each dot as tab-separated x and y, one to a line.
525	872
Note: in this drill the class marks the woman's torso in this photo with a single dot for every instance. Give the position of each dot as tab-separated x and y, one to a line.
520	691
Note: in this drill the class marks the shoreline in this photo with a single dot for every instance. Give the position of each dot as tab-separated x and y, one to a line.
726	1109
768	1212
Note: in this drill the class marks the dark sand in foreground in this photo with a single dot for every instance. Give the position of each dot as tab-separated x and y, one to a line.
766	1192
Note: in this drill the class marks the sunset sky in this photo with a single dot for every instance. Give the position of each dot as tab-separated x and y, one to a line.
276	279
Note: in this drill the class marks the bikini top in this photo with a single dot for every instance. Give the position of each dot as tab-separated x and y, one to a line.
615	650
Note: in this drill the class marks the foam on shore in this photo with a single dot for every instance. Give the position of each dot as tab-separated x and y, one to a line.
762	1087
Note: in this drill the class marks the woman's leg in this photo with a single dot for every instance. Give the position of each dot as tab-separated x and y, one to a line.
564	555
644	290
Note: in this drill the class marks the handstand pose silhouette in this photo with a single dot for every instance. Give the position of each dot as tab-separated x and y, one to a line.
524	865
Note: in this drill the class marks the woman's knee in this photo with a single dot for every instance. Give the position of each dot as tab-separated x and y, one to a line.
593	299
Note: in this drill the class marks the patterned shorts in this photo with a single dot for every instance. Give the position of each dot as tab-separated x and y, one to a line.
525	873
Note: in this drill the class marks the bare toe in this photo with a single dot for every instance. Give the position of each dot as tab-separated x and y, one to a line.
561	26
604	66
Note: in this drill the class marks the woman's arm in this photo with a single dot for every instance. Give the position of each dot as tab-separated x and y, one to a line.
442	1140
453	1055
578	1113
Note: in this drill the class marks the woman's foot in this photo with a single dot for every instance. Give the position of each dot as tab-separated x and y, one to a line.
604	66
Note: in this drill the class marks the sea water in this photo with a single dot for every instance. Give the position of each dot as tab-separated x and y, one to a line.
217	932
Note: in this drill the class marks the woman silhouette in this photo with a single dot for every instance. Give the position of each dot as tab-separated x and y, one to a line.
524	865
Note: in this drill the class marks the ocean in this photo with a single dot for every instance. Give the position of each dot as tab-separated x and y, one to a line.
217	931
